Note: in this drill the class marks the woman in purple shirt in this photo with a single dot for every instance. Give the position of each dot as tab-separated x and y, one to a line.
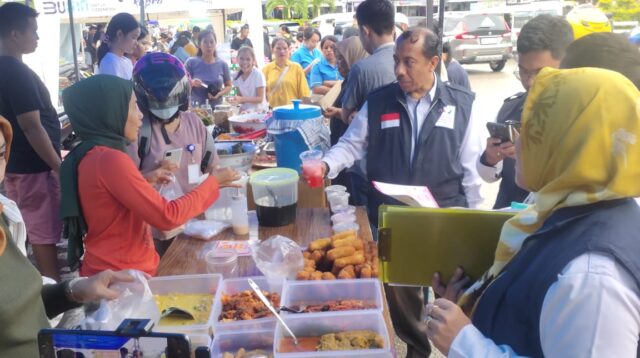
210	75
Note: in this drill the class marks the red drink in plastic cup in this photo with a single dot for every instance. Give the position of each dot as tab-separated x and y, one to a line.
312	168
312	171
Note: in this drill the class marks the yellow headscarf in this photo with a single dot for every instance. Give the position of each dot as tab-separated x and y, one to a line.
579	145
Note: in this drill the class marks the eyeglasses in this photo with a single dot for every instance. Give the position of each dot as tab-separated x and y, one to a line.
522	75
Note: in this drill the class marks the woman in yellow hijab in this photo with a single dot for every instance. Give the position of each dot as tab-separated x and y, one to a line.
566	281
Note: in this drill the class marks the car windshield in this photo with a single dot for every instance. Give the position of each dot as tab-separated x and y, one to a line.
450	25
485	22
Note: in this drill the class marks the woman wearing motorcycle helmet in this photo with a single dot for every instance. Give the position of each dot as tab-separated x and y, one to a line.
162	87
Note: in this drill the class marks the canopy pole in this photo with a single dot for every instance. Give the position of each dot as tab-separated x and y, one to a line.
73	40
142	19
429	14
441	32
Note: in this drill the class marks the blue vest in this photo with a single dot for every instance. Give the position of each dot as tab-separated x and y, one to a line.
509	310
511	111
437	151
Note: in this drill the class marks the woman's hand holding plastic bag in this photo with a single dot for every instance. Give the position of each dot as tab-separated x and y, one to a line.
226	176
134	300
100	286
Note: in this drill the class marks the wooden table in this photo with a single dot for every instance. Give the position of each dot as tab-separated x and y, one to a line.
186	255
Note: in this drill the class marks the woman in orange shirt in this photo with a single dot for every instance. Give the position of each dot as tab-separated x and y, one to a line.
104	196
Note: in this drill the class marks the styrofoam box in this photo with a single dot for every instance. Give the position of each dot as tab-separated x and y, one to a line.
249	340
207	283
298	293
237	285
317	324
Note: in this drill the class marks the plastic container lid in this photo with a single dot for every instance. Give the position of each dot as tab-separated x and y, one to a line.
274	176
297	111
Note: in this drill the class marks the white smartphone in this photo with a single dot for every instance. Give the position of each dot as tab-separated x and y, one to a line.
174	156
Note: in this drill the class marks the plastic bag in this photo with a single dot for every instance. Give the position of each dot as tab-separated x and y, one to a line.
277	257
135	301
205	229
170	191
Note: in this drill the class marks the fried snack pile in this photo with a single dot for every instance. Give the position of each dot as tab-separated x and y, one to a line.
243	353
343	256
337	305
246	305
350	340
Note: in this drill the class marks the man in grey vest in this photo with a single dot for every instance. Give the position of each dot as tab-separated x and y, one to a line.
417	131
375	21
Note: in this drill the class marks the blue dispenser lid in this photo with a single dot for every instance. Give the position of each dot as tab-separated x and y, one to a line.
297	111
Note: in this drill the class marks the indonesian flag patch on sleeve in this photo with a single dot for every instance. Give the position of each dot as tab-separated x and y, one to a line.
390	120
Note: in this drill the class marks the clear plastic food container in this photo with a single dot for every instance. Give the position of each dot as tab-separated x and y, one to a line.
315	325
304	293
237	285
232	342
207	283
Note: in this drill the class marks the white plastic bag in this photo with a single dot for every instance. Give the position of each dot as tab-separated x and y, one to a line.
277	257
170	191
205	229
135	301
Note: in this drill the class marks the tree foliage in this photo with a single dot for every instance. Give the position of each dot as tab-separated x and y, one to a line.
288	6
317	4
622	10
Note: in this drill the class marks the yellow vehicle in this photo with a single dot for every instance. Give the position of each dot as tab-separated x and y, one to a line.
587	19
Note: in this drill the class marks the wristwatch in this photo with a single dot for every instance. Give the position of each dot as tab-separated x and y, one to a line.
68	289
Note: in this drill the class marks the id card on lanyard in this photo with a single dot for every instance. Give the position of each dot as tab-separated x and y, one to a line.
193	170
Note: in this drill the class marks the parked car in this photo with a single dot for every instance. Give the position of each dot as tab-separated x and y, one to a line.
273	27
479	38
326	23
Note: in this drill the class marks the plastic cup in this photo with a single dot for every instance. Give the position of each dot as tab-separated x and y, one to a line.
312	168
347	226
343	218
335	189
344	209
338	199
222	262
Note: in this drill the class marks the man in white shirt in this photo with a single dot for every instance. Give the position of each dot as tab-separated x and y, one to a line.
417	131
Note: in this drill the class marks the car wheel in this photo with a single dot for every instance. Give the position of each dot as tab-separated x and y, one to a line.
497	66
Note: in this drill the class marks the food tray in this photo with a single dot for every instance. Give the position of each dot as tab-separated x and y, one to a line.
297	293
249	340
206	283
317	324
237	285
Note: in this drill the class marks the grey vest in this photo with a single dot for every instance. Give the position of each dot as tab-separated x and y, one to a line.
436	161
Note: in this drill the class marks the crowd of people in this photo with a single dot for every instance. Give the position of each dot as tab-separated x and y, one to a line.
566	277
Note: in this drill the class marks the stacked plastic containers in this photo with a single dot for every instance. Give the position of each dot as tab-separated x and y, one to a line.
267	335
343	215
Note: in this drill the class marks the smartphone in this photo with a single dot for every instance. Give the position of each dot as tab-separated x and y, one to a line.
62	343
173	156
500	131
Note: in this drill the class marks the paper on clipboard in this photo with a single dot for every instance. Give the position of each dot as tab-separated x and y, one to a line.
330	98
417	196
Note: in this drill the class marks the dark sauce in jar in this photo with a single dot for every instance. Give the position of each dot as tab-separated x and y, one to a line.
274	217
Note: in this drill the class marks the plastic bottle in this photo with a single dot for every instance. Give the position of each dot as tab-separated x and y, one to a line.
239	214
